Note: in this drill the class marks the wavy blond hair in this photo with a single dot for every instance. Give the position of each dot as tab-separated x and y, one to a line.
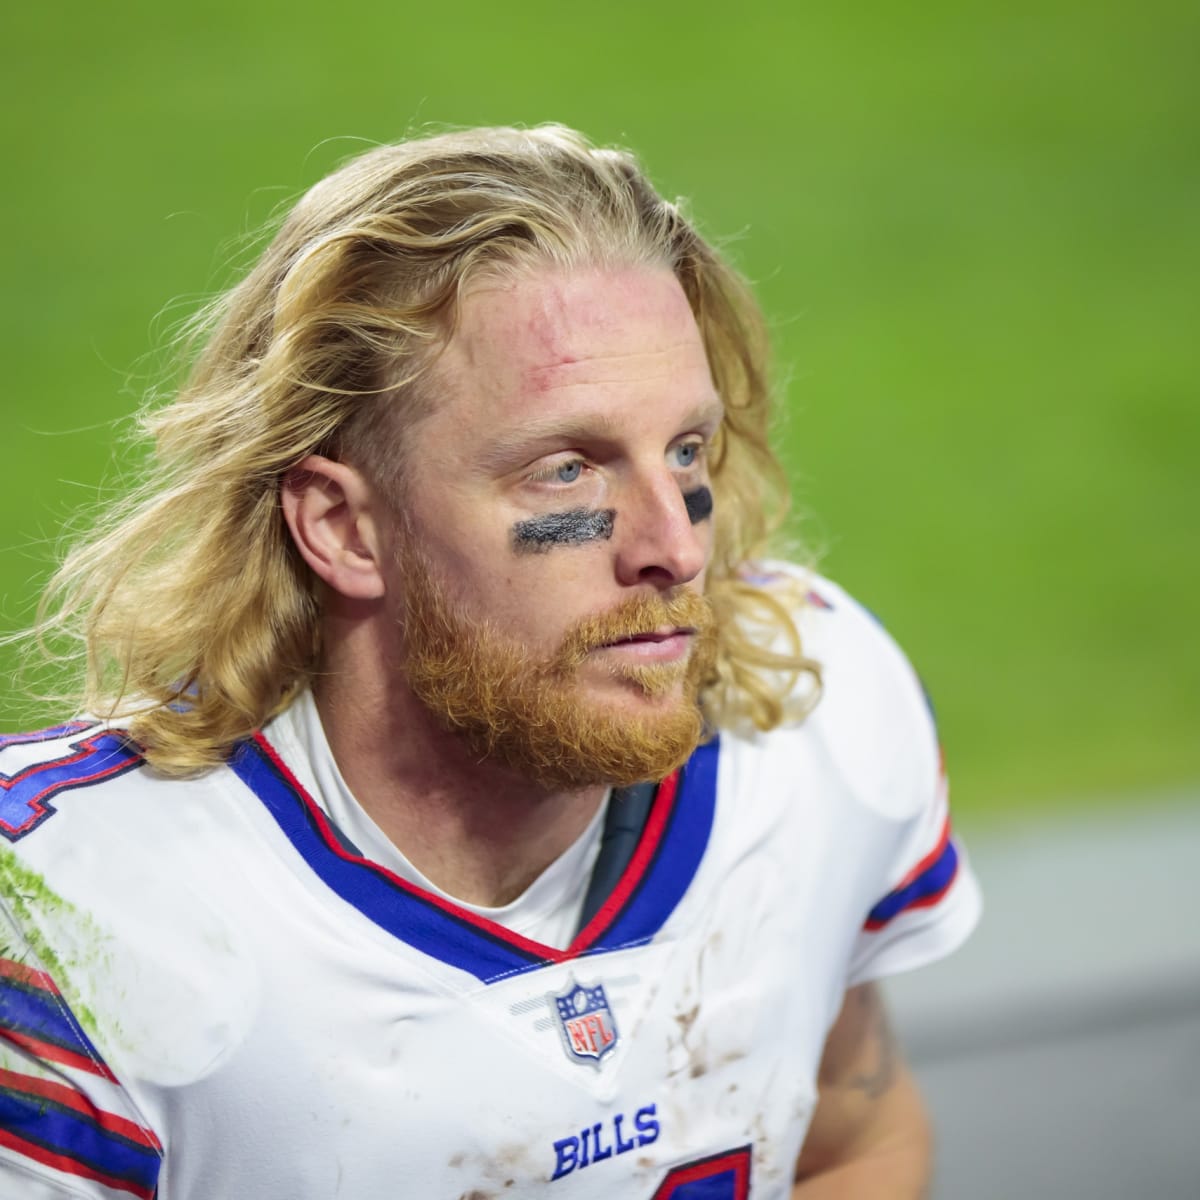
195	616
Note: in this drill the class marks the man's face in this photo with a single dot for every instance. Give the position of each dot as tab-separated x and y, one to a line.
558	525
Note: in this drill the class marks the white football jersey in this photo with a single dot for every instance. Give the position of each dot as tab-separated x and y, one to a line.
206	991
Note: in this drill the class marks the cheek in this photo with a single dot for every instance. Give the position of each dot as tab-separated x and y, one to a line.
538	598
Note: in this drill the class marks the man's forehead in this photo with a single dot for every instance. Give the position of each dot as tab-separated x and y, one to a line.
543	322
552	358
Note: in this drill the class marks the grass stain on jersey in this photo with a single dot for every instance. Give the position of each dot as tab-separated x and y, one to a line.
31	902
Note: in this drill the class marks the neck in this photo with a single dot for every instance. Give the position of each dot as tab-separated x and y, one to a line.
478	830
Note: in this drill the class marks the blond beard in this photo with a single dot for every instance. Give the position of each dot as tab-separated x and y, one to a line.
532	714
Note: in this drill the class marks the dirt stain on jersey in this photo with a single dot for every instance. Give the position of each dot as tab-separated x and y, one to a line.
476	1194
697	1057
768	1166
685	1020
498	1171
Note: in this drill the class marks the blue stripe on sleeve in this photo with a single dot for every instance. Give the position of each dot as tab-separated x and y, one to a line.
60	1130
934	880
40	1014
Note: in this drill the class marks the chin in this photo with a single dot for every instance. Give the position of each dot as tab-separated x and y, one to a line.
643	689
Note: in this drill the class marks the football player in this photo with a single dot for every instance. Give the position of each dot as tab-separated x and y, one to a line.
467	805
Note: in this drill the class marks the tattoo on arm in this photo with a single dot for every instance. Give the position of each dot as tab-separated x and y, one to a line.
862	1054
869	1131
879	1072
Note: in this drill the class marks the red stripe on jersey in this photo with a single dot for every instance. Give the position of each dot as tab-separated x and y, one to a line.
71	1166
927	861
464	915
68	1097
933	897
24	973
928	900
873	926
656	823
49	1052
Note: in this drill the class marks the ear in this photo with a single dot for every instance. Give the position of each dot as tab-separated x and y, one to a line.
332	512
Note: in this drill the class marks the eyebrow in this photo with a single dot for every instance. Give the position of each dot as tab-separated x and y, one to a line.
507	447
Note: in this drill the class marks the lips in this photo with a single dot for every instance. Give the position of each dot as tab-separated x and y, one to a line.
645	629
654	635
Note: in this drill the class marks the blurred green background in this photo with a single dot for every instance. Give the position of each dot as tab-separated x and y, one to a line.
976	229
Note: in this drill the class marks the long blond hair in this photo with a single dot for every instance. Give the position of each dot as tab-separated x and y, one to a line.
196	617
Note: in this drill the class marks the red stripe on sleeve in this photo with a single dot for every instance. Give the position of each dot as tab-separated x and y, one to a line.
928	860
21	972
71	1166
68	1097
49	1052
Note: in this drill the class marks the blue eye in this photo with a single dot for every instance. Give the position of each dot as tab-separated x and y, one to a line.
686	453
569	471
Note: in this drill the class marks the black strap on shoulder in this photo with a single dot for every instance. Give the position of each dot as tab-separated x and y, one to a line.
628	810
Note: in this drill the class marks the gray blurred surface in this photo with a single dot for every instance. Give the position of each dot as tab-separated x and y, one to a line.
1059	1050
1112	1114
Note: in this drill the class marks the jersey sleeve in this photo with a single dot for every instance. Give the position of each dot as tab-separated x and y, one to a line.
67	1128
878	724
932	901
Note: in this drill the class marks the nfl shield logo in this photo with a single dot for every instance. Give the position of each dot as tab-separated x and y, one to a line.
587	1025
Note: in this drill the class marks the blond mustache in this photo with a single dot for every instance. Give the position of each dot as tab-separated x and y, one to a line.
636	617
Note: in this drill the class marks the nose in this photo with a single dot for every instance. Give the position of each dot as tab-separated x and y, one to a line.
656	541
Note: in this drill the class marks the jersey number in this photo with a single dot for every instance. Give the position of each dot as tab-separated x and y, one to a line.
25	796
724	1176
